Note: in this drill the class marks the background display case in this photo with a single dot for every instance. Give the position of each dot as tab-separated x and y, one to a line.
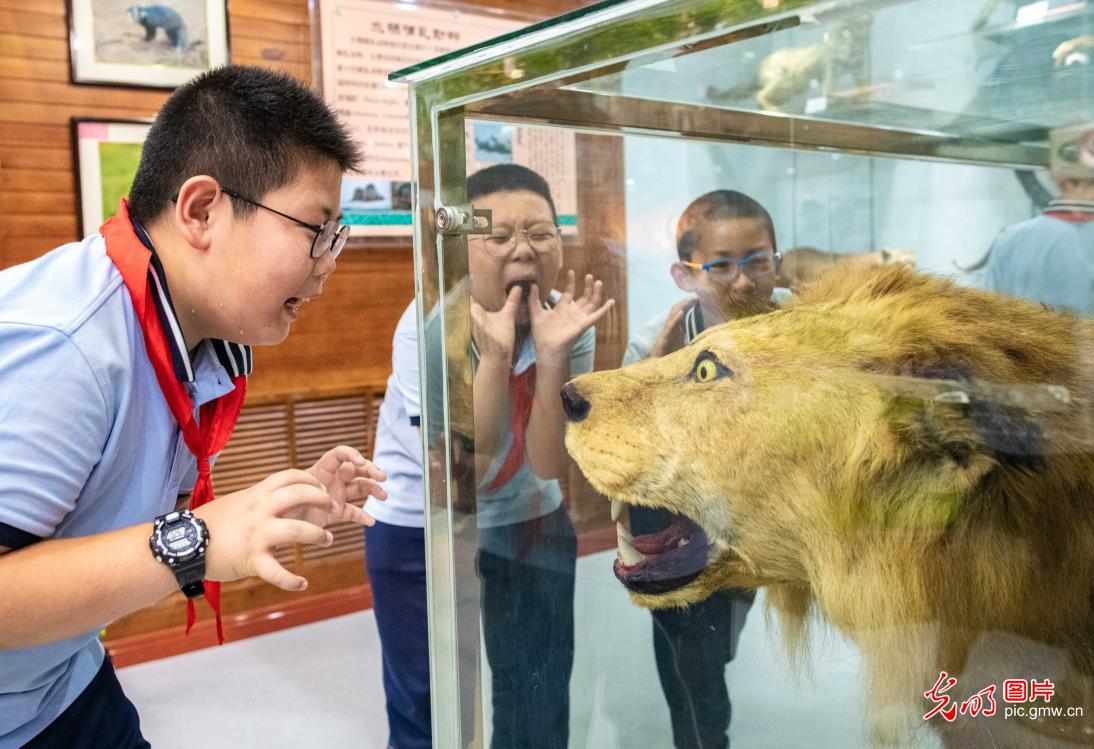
872	131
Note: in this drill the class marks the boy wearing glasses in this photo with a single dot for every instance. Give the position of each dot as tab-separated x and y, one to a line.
728	262
123	366
526	342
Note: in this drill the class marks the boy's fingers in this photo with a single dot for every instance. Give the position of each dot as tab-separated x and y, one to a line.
290	477
270	570
589	287
600	312
368	470
347	472
355	514
512	302
346	454
296	532
363	487
375	472
597	292
568	291
291	497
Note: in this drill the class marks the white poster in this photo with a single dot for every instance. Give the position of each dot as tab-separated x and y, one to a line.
363	41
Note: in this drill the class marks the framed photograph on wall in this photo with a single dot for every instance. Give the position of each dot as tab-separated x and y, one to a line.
159	45
107	155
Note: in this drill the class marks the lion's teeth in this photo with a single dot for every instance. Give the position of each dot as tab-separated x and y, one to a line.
627	553
617	509
621	530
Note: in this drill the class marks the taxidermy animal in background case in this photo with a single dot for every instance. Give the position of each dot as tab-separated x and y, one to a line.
788	72
800	265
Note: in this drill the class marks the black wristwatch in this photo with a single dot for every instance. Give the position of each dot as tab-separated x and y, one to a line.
179	540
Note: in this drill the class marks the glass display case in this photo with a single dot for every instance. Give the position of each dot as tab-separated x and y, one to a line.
863	506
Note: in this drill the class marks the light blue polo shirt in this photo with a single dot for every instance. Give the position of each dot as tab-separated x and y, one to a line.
87	443
1047	259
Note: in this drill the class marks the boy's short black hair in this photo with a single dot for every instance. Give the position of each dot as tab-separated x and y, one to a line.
718	205
509	178
249	128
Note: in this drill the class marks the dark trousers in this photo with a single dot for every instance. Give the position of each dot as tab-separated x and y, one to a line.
102	716
527	573
692	647
395	560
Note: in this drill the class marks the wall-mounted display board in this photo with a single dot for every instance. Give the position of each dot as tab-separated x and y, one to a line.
362	42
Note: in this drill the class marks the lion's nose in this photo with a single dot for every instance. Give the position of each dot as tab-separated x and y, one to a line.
576	407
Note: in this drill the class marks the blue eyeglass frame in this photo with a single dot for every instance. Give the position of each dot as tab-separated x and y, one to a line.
725	262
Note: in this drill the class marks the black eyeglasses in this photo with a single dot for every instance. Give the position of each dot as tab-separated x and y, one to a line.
329	237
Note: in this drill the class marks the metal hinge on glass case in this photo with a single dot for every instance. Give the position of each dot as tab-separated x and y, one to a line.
464	219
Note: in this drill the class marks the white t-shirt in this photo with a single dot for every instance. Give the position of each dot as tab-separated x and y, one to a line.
398	448
398	439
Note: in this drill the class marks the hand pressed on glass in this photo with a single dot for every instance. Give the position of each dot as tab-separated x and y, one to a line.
555	329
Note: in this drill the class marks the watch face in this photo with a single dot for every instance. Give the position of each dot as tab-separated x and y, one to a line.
180	538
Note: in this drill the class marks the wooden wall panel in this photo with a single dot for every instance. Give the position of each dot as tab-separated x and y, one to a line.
344	337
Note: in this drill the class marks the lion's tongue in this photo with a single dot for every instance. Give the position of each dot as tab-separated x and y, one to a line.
676	535
661	561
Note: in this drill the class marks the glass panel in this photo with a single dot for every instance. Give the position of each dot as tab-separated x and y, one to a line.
432	62
1009	74
599	32
876	471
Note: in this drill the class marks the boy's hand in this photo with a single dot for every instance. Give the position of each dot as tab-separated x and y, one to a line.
346	475
555	329
671	337
495	333
246	526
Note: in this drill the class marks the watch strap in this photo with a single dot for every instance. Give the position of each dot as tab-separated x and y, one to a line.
190	577
195	589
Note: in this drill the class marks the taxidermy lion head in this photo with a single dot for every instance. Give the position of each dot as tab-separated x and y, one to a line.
909	457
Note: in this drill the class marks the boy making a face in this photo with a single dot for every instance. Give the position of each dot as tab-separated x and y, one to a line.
123	364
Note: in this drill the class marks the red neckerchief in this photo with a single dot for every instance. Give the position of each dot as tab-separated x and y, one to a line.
1072	217
522	389
218	417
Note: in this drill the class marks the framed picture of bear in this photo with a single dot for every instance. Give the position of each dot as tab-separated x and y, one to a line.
107	155
158	45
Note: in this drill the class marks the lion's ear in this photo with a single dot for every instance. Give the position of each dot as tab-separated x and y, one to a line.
968	432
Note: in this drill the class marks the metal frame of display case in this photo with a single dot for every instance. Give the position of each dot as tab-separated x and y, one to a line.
535	77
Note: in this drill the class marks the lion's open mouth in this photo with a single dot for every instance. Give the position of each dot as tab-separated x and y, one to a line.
660	562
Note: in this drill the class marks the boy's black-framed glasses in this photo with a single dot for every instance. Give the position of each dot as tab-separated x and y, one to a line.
330	236
725	270
540	237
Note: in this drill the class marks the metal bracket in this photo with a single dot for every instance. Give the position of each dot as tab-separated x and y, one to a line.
464	219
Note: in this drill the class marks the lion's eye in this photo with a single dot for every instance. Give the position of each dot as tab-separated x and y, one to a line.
705	371
708	368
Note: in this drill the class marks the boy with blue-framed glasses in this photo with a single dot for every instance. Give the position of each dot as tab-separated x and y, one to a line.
728	263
